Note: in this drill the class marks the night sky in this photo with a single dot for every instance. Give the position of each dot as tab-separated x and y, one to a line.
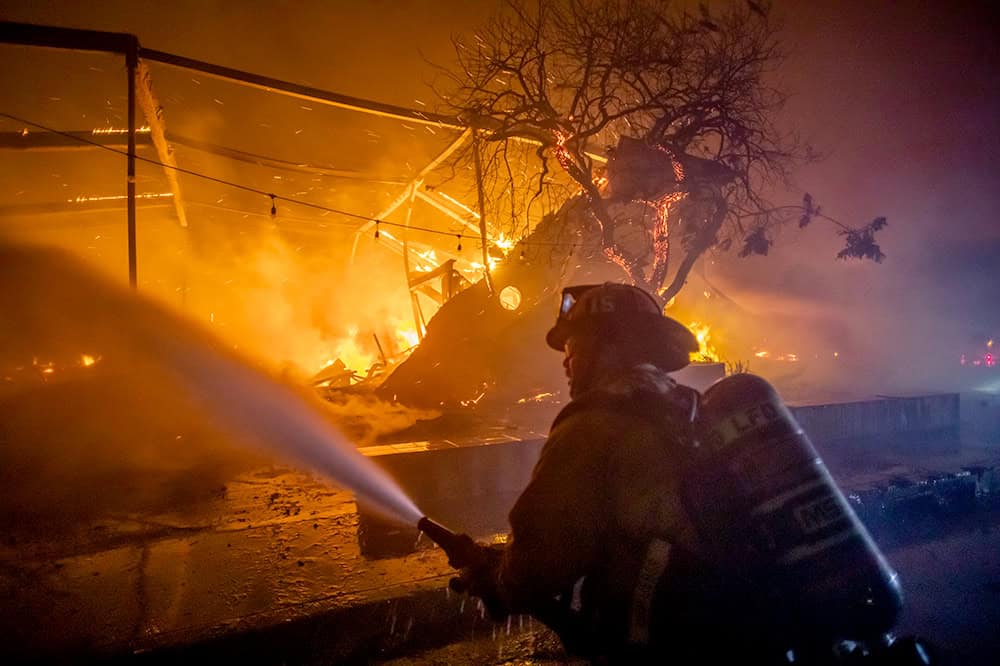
902	98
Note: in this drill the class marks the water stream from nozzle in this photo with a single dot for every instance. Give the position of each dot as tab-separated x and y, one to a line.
54	303
277	417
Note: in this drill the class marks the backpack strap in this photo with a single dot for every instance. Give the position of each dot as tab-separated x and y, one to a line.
640	616
677	408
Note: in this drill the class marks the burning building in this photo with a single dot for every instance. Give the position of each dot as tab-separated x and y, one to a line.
346	243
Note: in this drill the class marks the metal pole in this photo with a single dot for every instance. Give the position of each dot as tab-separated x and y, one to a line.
414	186
482	214
305	93
131	62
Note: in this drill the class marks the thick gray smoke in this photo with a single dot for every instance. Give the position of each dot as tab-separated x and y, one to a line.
112	406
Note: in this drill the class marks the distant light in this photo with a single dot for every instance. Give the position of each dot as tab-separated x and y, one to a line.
510	298
119	197
116	130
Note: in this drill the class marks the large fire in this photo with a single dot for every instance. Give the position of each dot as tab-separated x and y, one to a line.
707	353
361	353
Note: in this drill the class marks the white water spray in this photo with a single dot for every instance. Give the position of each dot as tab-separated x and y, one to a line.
53	306
275	416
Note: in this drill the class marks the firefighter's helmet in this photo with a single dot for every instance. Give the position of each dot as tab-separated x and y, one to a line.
593	308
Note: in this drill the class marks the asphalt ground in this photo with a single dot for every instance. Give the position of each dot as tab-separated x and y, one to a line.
951	578
270	571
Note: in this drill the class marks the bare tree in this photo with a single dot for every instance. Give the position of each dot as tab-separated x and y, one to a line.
644	134
680	103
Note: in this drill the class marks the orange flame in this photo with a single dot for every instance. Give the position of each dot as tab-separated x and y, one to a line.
706	350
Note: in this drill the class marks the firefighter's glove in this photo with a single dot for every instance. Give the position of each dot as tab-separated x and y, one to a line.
479	579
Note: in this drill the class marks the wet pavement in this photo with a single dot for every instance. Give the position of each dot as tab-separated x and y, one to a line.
274	546
952	586
270	571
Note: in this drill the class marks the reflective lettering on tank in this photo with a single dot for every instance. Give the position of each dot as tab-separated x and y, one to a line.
818	514
737	424
778	501
808	550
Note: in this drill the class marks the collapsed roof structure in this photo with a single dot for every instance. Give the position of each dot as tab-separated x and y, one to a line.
256	204
210	155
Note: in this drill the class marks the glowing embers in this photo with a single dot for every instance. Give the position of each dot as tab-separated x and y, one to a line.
615	256
661	230
789	357
540	397
119	197
103	131
473	401
510	298
562	153
46	370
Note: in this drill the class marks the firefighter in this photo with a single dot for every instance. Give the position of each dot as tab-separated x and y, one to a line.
661	525
600	521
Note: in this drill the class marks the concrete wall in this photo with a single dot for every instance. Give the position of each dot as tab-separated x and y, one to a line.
891	423
981	418
470	486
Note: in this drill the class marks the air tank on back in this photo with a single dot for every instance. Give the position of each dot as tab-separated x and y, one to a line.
767	507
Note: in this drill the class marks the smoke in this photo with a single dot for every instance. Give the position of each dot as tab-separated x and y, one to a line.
291	298
823	329
865	88
125	435
110	406
366	418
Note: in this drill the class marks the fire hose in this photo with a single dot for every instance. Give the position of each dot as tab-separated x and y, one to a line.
464	553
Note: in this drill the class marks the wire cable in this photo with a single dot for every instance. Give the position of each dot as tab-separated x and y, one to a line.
273	197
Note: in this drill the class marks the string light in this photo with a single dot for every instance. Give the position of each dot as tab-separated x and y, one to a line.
273	197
